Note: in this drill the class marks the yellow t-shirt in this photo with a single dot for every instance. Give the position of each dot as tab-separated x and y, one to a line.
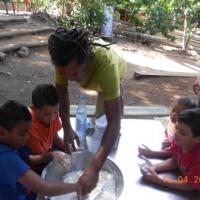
103	73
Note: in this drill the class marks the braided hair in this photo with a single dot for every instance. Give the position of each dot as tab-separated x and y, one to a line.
69	45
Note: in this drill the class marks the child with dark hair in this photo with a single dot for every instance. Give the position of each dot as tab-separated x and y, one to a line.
95	66
196	89
16	177
196	85
179	104
185	151
43	133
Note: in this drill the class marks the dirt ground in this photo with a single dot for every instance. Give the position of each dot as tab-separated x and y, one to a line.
18	76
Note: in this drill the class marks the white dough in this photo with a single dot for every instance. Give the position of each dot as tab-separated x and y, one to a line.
105	189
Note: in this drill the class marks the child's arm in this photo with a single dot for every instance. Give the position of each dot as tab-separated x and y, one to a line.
33	181
47	157
176	184
59	142
152	176
166	165
145	151
40	158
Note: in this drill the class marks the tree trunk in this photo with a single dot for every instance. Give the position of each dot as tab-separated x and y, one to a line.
63	9
83	3
190	35
185	29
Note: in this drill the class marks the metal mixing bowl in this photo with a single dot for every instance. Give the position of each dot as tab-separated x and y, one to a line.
80	160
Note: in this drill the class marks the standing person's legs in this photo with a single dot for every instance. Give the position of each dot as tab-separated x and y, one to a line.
13	6
27	5
6	6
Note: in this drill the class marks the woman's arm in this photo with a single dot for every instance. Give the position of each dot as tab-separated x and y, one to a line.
113	113
69	134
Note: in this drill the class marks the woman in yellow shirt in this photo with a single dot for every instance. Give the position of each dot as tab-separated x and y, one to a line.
95	67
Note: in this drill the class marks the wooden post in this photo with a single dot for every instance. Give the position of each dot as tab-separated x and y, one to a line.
185	29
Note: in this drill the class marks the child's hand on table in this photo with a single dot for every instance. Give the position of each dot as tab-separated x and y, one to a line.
149	174
144	150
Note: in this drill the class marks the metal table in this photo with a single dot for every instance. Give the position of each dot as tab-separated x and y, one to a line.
133	133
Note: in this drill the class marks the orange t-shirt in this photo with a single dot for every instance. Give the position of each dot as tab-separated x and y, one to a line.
41	137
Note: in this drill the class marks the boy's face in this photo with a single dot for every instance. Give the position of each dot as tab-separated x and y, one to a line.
47	114
73	71
184	136
18	136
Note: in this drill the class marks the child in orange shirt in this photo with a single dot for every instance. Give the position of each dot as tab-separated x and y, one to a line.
16	177
45	125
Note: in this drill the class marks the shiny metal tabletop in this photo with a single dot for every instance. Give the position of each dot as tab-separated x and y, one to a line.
133	133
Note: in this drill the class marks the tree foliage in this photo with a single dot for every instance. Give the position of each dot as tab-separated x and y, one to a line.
149	16
163	16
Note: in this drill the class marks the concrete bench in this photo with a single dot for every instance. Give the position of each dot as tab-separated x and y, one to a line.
144	112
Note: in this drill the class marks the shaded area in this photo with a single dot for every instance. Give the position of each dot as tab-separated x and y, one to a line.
26	73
